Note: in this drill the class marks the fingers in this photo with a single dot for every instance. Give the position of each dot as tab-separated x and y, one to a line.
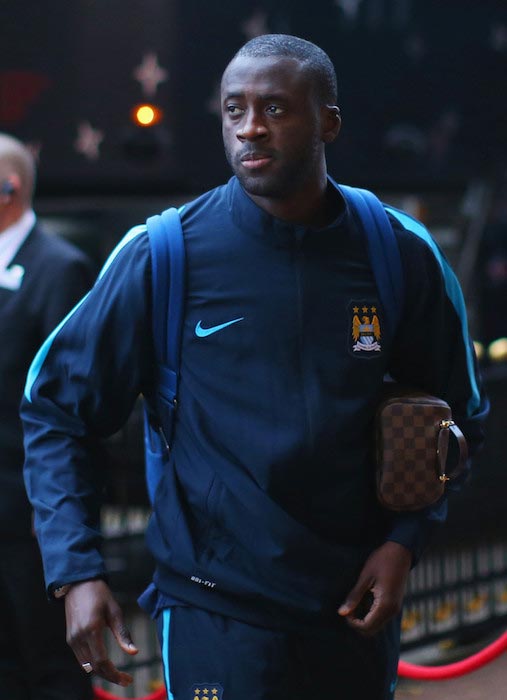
365	615
355	597
92	655
101	664
120	630
108	671
90	608
361	609
367	607
371	622
378	593
372	612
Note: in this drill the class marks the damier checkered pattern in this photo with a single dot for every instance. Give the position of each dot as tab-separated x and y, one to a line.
409	459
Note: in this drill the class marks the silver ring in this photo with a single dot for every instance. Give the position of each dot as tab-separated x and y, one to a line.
87	667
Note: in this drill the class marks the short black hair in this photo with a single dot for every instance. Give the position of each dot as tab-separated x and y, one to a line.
314	59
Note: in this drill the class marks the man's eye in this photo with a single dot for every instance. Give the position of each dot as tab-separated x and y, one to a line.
234	110
274	109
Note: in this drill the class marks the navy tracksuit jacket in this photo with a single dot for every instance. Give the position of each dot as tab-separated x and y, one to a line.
267	509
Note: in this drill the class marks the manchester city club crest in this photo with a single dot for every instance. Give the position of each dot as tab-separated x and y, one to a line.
365	329
206	691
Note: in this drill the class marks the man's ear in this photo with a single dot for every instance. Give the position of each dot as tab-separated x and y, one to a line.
10	186
331	123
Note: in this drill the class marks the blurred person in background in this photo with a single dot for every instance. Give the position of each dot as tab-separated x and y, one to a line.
41	278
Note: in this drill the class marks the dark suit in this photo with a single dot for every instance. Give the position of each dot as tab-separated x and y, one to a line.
35	661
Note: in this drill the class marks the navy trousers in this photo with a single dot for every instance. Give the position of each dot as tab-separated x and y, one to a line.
210	657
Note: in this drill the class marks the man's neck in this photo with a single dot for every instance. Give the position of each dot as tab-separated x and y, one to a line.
312	207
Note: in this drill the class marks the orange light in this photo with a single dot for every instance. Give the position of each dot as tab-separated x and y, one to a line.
146	115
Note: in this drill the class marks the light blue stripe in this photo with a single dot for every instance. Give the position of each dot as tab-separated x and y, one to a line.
129	236
41	355
453	292
166	622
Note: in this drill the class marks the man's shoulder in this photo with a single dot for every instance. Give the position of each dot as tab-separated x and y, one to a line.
196	208
402	220
420	253
413	235
213	199
54	247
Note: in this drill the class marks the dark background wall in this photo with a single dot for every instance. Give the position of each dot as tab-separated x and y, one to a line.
422	87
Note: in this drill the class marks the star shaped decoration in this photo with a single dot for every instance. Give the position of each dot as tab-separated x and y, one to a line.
355	309
255	25
88	141
150	74
365	309
350	8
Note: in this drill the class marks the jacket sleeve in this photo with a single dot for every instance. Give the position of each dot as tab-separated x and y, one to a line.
432	350
81	388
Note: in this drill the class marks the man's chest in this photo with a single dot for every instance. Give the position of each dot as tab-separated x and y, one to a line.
307	308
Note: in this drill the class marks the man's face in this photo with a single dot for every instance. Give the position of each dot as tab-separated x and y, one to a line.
271	125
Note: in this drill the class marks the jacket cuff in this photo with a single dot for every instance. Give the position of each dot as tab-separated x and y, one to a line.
413	530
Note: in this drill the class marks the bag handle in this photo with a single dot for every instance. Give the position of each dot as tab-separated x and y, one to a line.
449	426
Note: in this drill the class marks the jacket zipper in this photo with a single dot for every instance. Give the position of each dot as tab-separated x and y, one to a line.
309	432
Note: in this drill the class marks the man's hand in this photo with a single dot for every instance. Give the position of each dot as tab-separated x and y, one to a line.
89	608
380	589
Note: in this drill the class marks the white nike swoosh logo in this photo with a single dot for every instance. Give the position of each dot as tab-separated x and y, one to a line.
203	332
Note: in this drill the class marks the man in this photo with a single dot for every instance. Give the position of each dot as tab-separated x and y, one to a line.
41	278
277	573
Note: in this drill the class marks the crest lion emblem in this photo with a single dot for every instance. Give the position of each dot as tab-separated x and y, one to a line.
366	329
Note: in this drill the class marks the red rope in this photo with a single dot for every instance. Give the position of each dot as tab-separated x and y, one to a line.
460	668
426	673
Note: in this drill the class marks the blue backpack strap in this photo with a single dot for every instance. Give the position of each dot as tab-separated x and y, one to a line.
383	250
168	273
168	289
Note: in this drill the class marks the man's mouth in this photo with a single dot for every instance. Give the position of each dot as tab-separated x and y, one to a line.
254	161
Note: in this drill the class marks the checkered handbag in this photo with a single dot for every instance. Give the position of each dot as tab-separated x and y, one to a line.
412	448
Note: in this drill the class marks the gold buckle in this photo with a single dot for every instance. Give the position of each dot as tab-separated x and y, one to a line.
444	423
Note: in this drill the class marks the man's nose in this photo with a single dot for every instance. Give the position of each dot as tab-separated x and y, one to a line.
252	127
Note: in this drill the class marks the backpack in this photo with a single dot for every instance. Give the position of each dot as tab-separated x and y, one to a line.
168	294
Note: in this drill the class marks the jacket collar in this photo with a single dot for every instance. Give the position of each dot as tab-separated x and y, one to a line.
248	216
13	237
